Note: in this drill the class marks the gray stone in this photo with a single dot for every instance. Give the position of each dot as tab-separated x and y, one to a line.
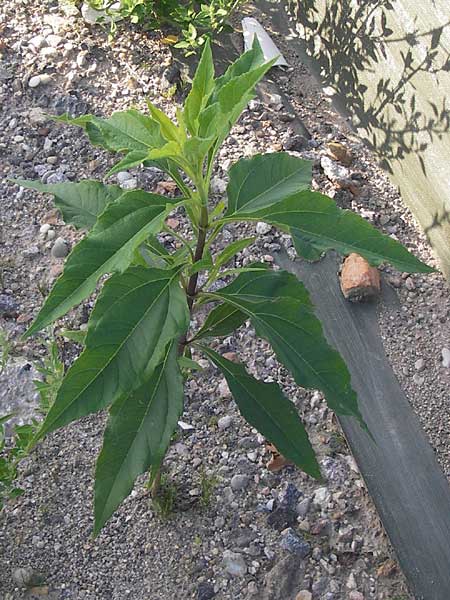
291	542
129	184
322	497
228	495
60	248
239	482
446	358
224	422
223	389
419	365
418	380
234	564
333	170
23	576
218	185
123	176
37	41
263	228
303	507
44	228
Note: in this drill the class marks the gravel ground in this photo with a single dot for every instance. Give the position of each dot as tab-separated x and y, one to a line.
231	529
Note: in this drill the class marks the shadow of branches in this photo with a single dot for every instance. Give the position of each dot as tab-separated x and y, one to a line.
350	38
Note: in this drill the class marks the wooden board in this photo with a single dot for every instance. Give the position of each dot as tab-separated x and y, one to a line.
401	472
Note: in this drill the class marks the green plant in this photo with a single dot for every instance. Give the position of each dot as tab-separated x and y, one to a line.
52	371
164	500
5	349
208	483
140	324
11	455
194	22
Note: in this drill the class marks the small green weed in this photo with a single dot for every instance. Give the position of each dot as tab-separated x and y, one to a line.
164	501
208	484
10	455
5	349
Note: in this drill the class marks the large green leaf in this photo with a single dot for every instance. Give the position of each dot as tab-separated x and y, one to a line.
130	160
265	179
318	225
108	248
284	316
80	203
138	313
250	60
267	409
202	86
255	286
137	435
121	132
230	96
221	321
234	95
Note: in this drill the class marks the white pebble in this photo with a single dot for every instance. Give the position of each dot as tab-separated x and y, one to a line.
224	422
129	184
123	176
419	365
263	228
34	81
45	228
446	358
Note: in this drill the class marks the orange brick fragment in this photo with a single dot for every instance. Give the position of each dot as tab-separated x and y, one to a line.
359	281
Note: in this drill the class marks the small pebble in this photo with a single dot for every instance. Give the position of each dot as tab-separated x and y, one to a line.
239	482
446	358
60	248
291	542
418	380
223	389
129	184
234	564
34	81
419	365
123	176
45	228
263	228
224	422
23	576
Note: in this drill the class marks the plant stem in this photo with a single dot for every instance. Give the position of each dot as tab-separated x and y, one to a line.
201	240
156	483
